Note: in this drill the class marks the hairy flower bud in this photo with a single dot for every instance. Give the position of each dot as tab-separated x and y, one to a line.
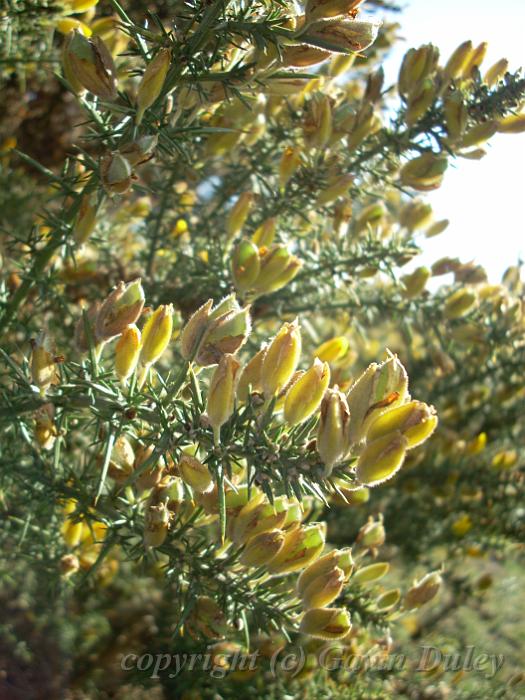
329	9
228	329
415	282
221	392
238	214
127	352
417	65
332	432
254	518
262	548
456	114
115	172
341	36
513	124
277	267
122	308
195	474
290	161
381	459
337	189
371	573
245	264
156	334
152	82
459	303
207	619
139	151
86	218
306	394
156	523
302	545
420	101
378	388
43	366
455	65
496	72
91	63
194	330
281	359
423	591
415	420
424	173
333	349
326	623
265	233
372	533
251	376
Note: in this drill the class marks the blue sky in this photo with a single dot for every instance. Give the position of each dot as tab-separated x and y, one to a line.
484	200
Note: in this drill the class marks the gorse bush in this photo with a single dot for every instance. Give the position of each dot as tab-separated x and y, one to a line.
233	425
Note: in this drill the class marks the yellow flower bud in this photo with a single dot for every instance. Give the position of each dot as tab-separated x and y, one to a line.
195	474
245	265
228	329
337	189
417	65
221	392
459	303
420	101
302	545
424	173
513	124
43	366
475	59
415	282
86	218
329	9
380	387
306	394
290	161
122	308
207	619
156	334
333	349
341	36
371	216
262	548
423	591
156	523
371	573
265	233
346	496
92	64
455	65
324	589
152	82
127	352
277	267
251	376
281	359
122	462
381	459
479	134
303	55
194	330
238	214
254	518
317	123
332	432
372	533
415	215
326	623
46	431
496	72
437	228
115	172
388	600
456	114
415	420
